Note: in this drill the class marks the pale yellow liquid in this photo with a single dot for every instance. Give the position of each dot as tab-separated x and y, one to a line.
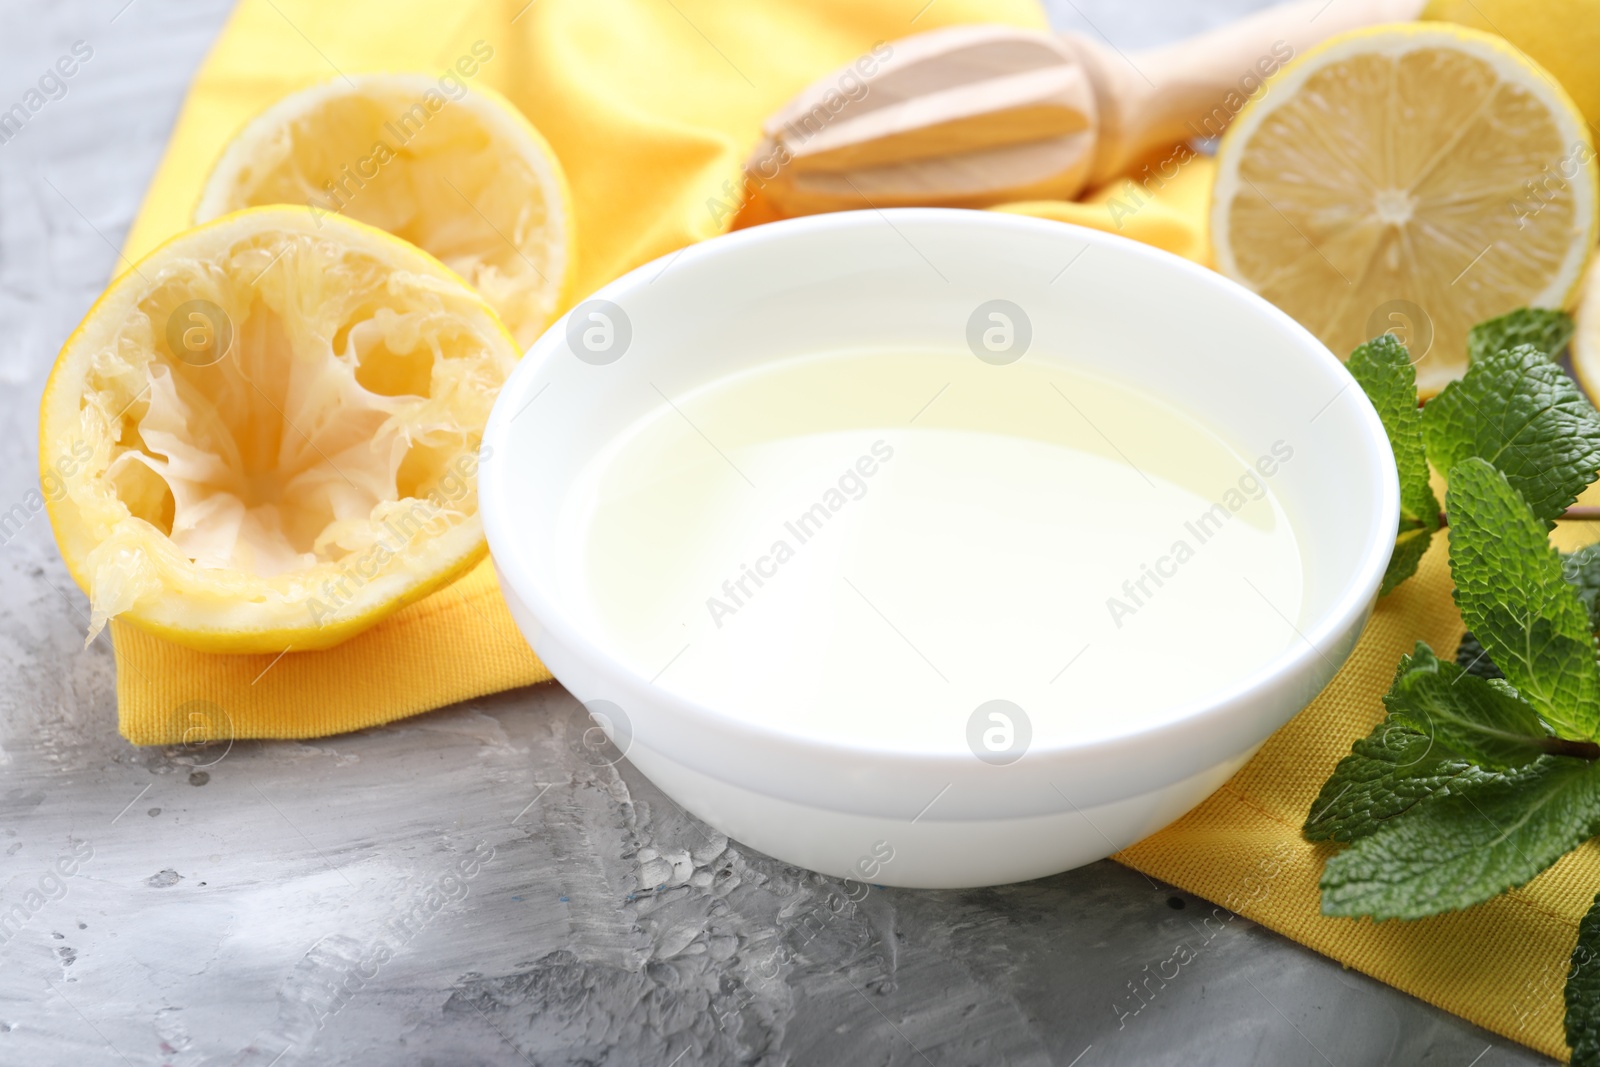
974	564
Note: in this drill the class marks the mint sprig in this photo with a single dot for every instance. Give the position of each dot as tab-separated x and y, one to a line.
1484	771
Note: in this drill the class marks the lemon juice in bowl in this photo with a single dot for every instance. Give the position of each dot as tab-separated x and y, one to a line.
875	543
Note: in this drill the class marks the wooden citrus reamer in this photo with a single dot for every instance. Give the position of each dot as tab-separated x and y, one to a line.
978	115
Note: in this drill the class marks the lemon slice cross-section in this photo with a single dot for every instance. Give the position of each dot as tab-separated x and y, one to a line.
1415	177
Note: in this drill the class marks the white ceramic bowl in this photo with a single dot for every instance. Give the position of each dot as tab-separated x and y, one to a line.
913	277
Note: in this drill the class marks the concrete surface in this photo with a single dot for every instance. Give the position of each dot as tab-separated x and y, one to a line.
463	888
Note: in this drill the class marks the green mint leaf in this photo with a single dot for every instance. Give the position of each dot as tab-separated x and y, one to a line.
1548	331
1520	412
1406	759
1467	846
1582	569
1388	773
1409	548
1484	721
1474	658
1382	367
1515	600
1583	992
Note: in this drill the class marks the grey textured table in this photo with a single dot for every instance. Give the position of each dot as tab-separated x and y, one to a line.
294	903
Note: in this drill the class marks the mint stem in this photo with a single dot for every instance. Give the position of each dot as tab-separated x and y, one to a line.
1560	746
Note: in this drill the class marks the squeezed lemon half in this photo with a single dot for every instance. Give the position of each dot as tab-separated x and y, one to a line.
265	435
1423	177
467	179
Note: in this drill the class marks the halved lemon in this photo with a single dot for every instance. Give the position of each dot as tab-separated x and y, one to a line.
265	435
463	176
1586	339
1421	176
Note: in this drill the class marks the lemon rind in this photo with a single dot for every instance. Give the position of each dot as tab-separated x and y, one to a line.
486	103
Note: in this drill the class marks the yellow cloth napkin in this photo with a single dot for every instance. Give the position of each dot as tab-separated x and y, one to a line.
651	106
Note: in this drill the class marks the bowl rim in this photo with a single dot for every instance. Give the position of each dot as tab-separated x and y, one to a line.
1296	661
